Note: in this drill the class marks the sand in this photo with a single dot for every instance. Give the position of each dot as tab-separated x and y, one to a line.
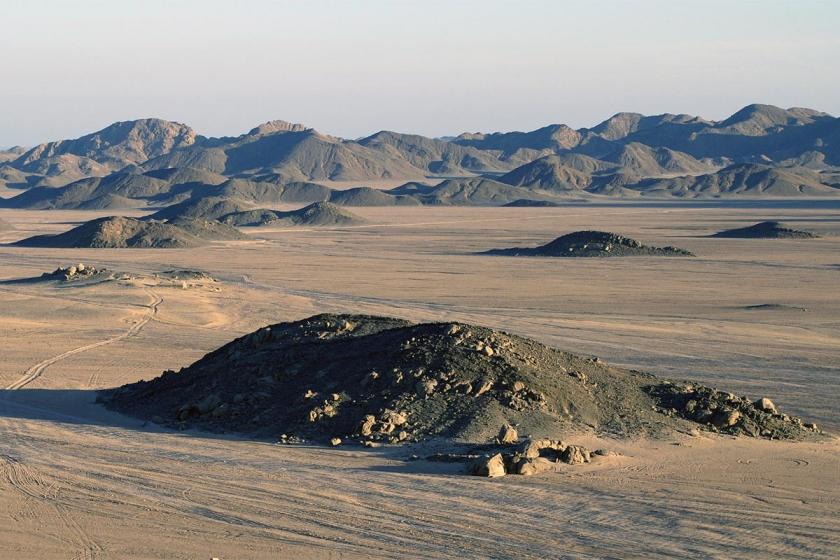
77	481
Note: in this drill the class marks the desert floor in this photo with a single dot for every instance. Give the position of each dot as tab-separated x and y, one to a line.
757	317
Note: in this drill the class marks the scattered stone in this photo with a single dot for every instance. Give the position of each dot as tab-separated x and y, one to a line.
336	441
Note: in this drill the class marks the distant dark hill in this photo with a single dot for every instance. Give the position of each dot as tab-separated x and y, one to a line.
591	244
553	137
205	208
11	154
766	230
621	125
110	149
182	175
270	189
318	214
745	179
297	155
120	232
760	120
645	161
116	187
108	202
435	156
478	191
527	203
548	173
366	196
628	155
272	127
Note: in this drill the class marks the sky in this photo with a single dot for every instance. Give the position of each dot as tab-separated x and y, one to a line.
432	67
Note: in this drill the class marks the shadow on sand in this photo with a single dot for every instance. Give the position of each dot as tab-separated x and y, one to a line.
78	407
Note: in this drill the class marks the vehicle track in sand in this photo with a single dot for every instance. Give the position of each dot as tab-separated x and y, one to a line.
38	369
28	481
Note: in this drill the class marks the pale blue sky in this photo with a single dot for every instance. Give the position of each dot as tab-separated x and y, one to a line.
434	67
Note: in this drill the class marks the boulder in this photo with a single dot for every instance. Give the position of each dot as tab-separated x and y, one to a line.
508	434
367	425
575	455
533	448
490	467
766	405
535	465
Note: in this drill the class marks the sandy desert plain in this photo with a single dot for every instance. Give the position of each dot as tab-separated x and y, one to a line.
756	317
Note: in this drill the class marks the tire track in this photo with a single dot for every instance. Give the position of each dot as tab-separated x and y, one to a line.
38	369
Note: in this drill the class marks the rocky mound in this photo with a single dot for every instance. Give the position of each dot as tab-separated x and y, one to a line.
527	203
591	244
766	230
121	232
318	214
374	379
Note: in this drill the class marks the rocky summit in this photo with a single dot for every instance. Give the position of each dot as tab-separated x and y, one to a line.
373	379
591	244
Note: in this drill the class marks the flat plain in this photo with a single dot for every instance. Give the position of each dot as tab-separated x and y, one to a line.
756	317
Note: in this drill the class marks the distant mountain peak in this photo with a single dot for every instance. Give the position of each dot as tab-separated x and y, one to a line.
275	126
756	118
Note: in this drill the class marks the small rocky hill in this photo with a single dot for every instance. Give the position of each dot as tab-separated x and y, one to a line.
121	232
766	230
591	244
373	379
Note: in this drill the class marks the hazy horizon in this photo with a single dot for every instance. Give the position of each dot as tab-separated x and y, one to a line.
434	68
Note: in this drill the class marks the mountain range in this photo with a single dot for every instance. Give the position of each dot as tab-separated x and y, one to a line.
759	151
